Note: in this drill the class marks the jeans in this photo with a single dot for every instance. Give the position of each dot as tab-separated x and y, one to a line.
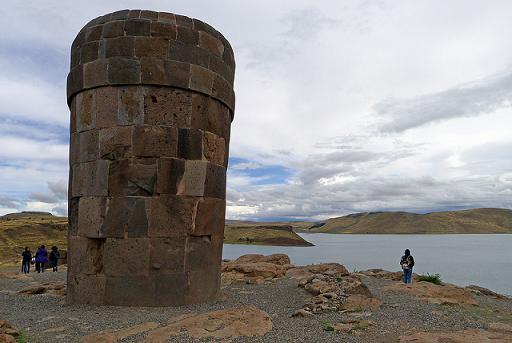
25	267
408	275
40	267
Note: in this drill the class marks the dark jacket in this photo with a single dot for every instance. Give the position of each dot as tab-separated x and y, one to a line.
409	260
54	255
27	256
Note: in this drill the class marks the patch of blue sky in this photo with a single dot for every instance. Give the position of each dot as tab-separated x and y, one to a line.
258	173
33	130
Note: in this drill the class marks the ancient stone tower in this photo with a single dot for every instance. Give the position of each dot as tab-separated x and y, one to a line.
151	99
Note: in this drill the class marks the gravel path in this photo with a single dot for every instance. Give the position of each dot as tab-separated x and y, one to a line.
45	318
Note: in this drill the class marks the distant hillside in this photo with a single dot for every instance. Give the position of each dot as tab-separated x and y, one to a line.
482	220
262	234
26	214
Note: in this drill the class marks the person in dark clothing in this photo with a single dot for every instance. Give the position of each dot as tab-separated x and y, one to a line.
54	258
407	263
41	258
27	257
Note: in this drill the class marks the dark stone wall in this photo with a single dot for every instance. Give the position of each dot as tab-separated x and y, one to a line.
151	99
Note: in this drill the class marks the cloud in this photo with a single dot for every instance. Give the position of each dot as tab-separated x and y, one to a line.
471	99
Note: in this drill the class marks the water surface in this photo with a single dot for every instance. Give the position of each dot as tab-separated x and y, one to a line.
484	260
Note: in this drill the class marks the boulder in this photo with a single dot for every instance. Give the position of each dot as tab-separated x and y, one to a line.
360	302
118	335
437	294
254	268
330	269
52	288
4	338
465	336
8	333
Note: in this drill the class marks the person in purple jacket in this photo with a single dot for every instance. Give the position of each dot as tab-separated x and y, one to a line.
41	258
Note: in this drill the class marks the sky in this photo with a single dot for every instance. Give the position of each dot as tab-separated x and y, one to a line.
342	106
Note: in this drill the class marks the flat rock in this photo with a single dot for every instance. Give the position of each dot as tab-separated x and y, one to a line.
226	325
465	336
118	335
53	288
437	294
253	268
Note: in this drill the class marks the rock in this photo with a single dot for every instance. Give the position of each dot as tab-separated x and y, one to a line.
52	288
116	336
302	313
246	321
385	274
331	269
484	291
437	294
501	327
4	338
253	268
465	336
358	302
343	327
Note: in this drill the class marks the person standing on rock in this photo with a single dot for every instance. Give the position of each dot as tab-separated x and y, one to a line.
41	258
27	257
54	258
407	262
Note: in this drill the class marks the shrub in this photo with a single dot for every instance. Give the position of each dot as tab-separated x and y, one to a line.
435	279
327	326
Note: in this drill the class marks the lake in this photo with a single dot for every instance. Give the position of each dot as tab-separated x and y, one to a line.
484	260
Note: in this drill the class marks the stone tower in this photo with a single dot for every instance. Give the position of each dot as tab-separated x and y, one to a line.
151	99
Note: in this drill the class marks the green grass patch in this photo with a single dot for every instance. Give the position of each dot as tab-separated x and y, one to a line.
327	326
435	279
21	338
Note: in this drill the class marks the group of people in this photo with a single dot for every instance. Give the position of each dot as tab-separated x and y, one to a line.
40	259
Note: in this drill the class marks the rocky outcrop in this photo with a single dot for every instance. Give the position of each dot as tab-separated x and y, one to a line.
254	268
119	335
385	274
465	336
51	288
437	294
8	333
224	325
484	291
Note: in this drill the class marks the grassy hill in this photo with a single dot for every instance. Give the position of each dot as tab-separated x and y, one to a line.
482	220
262	234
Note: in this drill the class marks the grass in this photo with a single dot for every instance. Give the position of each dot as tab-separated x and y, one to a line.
435	279
21	338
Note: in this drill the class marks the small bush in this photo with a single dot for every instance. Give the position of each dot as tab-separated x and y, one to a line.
21	338
435	279
327	326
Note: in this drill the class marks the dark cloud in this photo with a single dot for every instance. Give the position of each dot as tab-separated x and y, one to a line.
468	100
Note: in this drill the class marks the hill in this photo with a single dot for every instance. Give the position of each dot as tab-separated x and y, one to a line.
262	234
481	220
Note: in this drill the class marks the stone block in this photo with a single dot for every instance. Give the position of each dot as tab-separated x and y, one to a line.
134	14
194	178
169	175
155	141
221	90
197	253
215	185
123	71
170	289
73	217
115	143
164	106
88	146
167	255
210	218
201	79
130	290
184	21
120	46
218	120
214	148
211	44
86	111
156	47
190	144
163	29
94	33
86	289
153	71
149	14
126	257
218	66
91	214
74	148
177	73
95	73
126	217
204	285
167	18
89	52
106	106
90	179
113	29
120	15
133	177
187	36
181	52
75	80
131	106
85	255
137	27
171	216
75	58
72	116
200	104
